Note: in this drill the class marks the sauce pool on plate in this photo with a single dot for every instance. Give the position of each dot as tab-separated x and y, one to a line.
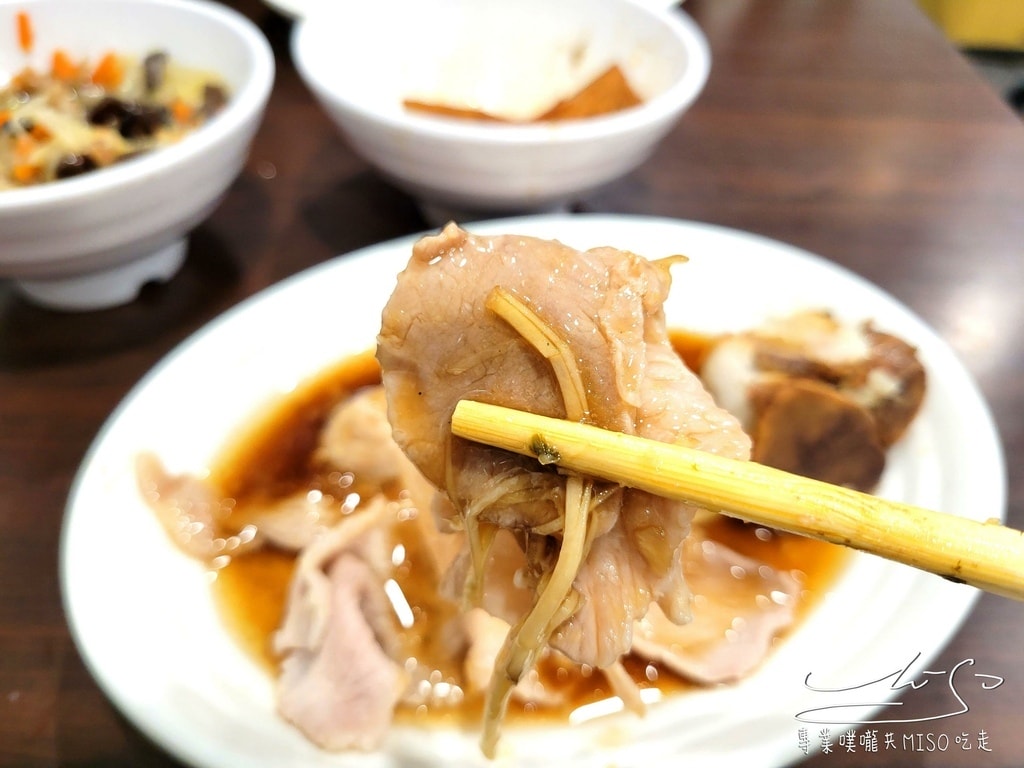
274	458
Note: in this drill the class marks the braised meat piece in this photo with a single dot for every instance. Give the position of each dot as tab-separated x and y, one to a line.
820	397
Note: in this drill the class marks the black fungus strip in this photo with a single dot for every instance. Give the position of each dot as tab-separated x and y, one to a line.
132	120
154	68
74	165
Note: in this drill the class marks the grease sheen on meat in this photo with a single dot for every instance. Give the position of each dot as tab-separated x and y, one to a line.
440	343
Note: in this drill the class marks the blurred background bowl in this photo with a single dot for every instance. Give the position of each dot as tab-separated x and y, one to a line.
93	240
510	57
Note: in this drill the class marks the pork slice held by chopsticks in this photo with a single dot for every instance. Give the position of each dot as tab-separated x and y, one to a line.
538	325
986	555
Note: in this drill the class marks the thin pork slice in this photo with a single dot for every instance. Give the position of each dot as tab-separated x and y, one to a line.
338	683
740	607
442	340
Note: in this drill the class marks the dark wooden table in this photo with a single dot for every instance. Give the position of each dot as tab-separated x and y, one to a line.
849	127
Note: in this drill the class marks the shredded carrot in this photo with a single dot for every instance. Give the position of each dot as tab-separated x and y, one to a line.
5	115
26	35
25	80
63	67
25	172
181	111
24	144
39	132
109	71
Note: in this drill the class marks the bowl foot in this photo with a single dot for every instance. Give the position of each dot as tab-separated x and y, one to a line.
109	287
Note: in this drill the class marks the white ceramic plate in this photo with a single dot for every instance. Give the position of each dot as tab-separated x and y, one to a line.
144	620
296	9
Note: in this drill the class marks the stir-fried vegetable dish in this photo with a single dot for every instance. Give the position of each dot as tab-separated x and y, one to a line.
78	114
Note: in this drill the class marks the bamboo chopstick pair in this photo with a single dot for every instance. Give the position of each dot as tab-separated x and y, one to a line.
986	555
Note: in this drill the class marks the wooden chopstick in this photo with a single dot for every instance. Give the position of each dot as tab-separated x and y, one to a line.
986	555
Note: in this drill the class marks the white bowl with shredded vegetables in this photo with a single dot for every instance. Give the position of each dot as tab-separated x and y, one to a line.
504	106
122	124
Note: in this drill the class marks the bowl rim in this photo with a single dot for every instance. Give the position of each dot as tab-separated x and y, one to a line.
673	100
248	100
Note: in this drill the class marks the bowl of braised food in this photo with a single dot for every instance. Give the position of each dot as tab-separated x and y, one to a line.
499	107
122	124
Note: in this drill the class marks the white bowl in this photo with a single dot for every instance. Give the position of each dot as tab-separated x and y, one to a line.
93	240
514	56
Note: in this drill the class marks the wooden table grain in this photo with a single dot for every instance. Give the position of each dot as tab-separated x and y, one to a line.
850	128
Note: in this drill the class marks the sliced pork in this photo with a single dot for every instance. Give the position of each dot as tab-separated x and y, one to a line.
740	607
539	326
192	513
338	683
